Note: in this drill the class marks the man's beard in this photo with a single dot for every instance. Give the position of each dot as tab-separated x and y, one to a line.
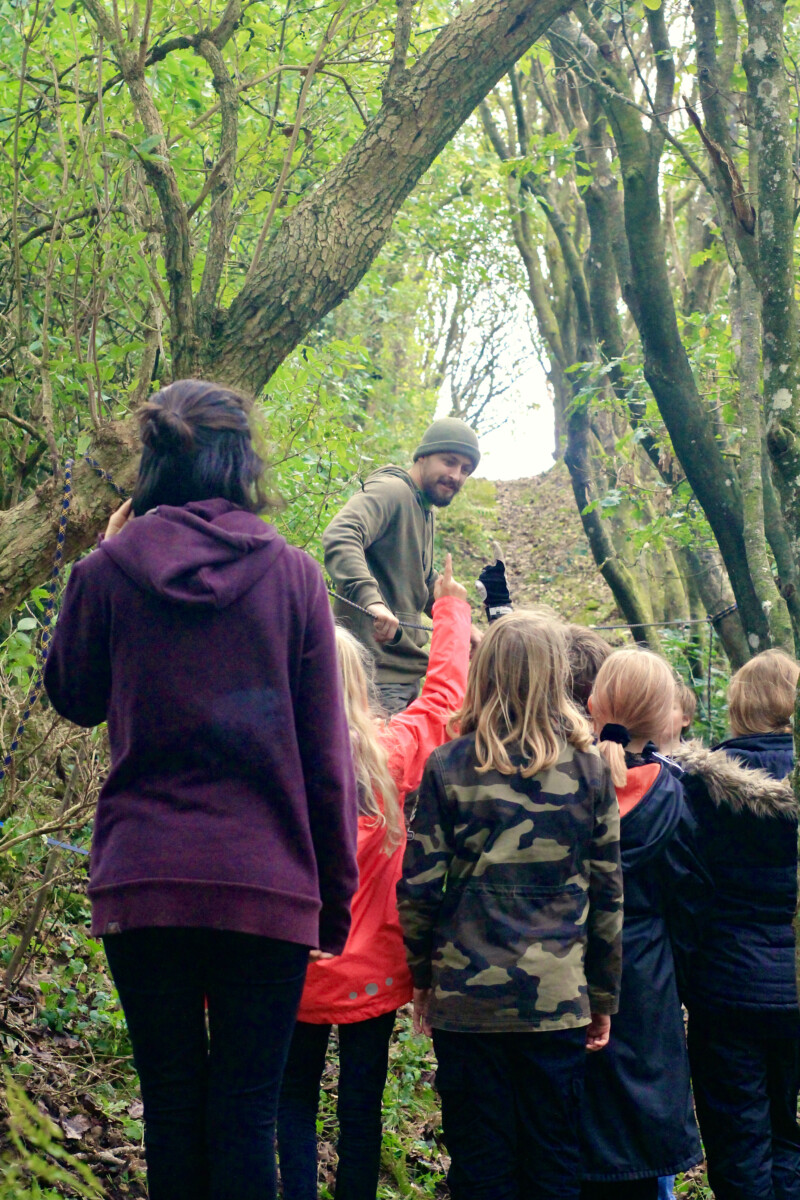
439	499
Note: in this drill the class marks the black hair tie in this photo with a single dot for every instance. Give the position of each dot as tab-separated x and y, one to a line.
615	733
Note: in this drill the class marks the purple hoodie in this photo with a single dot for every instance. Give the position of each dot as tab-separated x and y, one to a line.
207	644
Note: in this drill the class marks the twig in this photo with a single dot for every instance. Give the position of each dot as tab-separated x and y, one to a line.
327	38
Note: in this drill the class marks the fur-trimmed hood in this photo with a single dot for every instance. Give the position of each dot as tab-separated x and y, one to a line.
741	789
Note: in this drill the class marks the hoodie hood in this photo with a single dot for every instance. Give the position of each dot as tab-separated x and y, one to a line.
396	473
740	789
648	826
206	554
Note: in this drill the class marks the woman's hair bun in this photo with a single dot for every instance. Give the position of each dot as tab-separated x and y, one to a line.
164	430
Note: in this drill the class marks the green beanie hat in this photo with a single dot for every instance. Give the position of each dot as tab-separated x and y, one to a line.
450	435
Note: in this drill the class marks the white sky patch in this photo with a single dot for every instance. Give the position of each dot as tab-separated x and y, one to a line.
524	445
519	424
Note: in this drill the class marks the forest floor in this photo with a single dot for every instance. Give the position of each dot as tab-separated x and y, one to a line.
62	1035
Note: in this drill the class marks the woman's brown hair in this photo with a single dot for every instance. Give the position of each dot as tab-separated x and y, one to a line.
197	445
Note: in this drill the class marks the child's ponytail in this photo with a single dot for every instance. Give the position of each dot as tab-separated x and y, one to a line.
612	740
632	699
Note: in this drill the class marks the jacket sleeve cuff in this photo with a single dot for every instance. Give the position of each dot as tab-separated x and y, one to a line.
365	594
333	932
422	975
602	1004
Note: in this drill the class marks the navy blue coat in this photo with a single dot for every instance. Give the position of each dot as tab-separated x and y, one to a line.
740	958
773	752
637	1118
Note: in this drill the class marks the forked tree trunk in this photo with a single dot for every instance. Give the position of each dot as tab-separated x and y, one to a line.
320	252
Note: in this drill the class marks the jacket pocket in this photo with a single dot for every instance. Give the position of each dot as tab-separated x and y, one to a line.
492	931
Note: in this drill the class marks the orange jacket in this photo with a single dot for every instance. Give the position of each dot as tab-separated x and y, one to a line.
370	976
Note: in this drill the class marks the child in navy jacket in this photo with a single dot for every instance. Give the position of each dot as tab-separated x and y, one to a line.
739	969
637	1119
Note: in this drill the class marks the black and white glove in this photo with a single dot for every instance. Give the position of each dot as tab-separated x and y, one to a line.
493	588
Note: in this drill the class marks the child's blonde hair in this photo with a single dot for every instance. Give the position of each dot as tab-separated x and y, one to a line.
687	701
761	694
634	688
517	697
377	791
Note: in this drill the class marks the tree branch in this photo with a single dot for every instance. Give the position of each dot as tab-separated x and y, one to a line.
221	187
324	246
402	37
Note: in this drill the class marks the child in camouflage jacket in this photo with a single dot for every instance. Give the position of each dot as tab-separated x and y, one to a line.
511	908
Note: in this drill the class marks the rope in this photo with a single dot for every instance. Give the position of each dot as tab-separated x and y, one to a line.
60	845
372	617
708	619
48	622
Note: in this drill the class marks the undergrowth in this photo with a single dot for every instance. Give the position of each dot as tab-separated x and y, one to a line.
71	1114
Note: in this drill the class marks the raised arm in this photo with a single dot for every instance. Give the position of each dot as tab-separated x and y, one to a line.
414	733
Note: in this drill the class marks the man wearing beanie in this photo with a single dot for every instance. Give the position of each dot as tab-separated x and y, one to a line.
379	554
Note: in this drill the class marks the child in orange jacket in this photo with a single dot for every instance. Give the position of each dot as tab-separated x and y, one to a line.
361	990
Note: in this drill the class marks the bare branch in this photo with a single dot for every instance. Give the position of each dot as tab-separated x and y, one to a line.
402	37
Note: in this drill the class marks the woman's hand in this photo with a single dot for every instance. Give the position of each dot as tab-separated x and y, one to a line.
318	955
119	519
422	999
446	585
597	1032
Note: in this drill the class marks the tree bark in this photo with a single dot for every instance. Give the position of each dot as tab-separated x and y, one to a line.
321	250
326	244
666	366
28	531
746	329
770	107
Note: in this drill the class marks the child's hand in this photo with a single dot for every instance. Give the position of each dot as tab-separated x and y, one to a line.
597	1032
422	998
318	955
446	585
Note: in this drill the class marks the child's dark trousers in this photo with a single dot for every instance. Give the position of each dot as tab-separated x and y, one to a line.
363	1061
510	1113
745	1085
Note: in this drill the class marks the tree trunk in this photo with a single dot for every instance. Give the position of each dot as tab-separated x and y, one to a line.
327	243
746	329
770	108
28	531
321	250
649	298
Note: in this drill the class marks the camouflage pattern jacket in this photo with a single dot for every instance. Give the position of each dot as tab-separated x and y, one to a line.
511	896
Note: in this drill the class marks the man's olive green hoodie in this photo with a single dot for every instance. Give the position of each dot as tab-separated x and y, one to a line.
379	550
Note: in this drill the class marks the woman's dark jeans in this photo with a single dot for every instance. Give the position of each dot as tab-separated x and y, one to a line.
210	1103
363	1061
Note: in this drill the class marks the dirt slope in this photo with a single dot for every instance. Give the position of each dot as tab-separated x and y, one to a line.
537	524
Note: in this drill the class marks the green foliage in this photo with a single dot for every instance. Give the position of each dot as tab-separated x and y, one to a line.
38	1159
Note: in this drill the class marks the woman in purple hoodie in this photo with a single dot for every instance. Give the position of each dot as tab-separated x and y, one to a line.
225	833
